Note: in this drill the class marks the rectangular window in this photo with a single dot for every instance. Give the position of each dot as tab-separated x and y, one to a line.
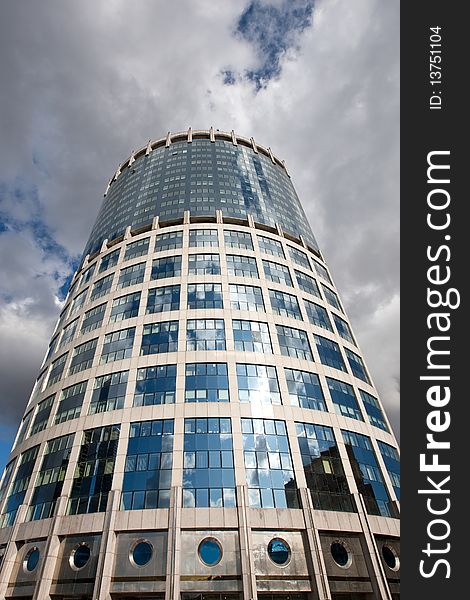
50	479
163	299
331	297
367	474
268	464
238	239
294	343
159	337
131	275
300	258
125	307
205	295
78	302
82	357
269	246
170	266
169	241
25	423
277	273
19	486
203	264
258	383
87	275
317	315
392	464
117	345
43	412
305	389
208	471
94	471
373	410
206	382
285	305
149	462
70	404
246	297
205	334
344	399
93	318
68	333
201	238
323	468
330	353
343	329
109	260
57	369
307	284
109	392
102	287
135	249
357	366
321	271
155	385
251	336
241	266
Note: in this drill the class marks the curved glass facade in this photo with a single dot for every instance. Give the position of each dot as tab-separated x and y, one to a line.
203	421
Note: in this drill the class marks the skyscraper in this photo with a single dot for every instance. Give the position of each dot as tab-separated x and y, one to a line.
203	422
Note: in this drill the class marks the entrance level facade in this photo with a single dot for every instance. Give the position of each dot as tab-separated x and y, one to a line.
203	424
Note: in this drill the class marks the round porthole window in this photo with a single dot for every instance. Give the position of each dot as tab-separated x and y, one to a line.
341	555
31	560
279	552
390	557
210	552
80	556
141	553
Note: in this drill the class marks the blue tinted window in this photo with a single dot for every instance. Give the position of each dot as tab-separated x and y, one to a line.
200	238
270	246
93	318
246	297
125	307
131	275
258	383
330	353
307	284
293	342
70	404
241	266
210	552
373	410
304	389
299	257
205	334
268	464
162	299
208	472
155	385
321	270
169	266
109	392
19	485
94	470
357	365
57	369
135	249
43	411
392	464
206	382
317	315
277	273
251	336
117	345
343	329
285	305
109	260
203	264
331	297
169	241
102	287
82	357
279	551
238	239
344	399
142	553
148	467
323	468
367	474
159	337
205	295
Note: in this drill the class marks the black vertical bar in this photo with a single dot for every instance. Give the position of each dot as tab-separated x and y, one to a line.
434	119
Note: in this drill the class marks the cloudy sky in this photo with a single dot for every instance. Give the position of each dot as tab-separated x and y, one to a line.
84	83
